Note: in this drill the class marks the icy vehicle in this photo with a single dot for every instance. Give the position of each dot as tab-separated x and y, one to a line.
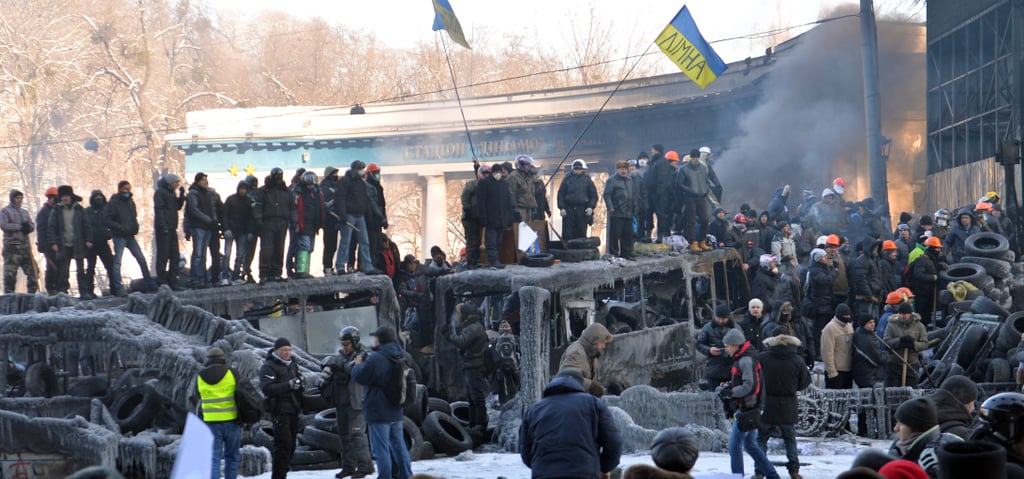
654	306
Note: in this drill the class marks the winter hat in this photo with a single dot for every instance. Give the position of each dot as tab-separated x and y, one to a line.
904	308
817	254
962	388
722	311
658	147
864	319
695	153
902	469
918	414
215	353
171	178
843	310
14	194
872	459
357	165
281	342
330	170
384	334
734	337
979	459
755	302
675	449
926	220
69	191
571	373
905	217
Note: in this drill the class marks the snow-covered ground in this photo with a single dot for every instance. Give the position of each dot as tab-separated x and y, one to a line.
820	459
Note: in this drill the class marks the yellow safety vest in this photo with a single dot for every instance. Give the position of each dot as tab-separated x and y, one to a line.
218	400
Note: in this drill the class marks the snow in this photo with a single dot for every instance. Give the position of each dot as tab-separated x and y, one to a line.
820	459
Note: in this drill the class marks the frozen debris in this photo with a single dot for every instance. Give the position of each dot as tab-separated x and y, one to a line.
253	461
634	438
465	456
84	444
658	410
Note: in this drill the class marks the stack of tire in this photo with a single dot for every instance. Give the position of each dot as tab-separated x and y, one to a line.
577	250
987	265
428	425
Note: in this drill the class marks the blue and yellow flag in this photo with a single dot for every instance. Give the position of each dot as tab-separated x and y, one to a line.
684	45
444	19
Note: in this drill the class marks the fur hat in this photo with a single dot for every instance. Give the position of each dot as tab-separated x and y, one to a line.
281	342
675	449
734	338
962	388
918	414
63	190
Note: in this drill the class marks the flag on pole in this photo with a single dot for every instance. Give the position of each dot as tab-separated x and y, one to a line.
444	19
684	45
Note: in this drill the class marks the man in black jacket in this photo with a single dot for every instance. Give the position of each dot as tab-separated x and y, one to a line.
165	211
339	389
694	179
100	239
282	384
69	238
577	198
238	232
494	208
471	227
709	343
954	402
658	183
866	280
569	433
620	199
784	375
201	219
42	223
332	224
122	220
377	215
309	211
273	210
471	339
351	204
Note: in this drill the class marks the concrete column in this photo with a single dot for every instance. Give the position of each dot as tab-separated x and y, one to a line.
435	214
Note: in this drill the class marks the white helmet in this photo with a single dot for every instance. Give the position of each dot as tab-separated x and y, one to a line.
579	163
827	192
823	239
705	150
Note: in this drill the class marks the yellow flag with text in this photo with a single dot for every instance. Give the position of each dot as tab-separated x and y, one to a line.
682	42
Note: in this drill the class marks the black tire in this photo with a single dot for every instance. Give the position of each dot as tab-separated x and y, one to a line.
984	305
446	434
413	438
664	321
575	255
591	242
973	294
260	434
313	403
417	410
936	370
995	268
326	420
438	404
460	411
988	284
970	272
315	438
971	344
41	381
619	328
306	457
954	370
998	371
946	297
133	377
90	387
1010	332
989	245
135	409
428	450
171	418
959	307
537	260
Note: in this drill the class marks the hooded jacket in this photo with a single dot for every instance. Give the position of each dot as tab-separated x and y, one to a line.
471	339
341	390
377	211
199	210
11	221
820	277
582	354
494	203
569	434
746	384
784	374
309	210
238	213
713	335
374	373
798	328
121	216
329	186
956	239
274	377
166	205
213	373
777	207
274	203
837	347
868	360
520	186
865	277
98	231
658	183
468	197
952	415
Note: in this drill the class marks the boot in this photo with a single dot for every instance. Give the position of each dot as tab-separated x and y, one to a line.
794	472
694	247
704	246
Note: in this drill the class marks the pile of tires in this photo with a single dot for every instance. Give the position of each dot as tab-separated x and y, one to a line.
991	270
578	250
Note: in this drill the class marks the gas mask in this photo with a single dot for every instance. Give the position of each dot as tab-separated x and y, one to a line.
497	176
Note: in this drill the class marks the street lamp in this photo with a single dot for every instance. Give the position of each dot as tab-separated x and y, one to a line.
886	145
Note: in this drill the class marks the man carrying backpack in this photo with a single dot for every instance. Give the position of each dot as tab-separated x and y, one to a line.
471	339
383	416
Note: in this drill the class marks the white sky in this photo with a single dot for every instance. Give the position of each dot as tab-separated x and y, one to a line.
404	22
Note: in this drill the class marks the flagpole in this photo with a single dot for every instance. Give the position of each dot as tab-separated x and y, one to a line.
458	98
593	118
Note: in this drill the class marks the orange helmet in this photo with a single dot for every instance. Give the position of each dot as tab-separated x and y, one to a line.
894	298
372	167
839	181
888	245
933	242
672	155
983	206
833	240
51	191
905	292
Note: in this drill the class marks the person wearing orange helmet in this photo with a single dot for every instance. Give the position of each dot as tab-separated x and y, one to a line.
42	231
924	278
984	218
888	264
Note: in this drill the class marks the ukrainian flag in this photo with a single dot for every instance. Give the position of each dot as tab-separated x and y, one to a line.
444	19
684	45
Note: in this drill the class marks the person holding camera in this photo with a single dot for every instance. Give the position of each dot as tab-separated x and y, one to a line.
282	385
338	388
742	400
471	339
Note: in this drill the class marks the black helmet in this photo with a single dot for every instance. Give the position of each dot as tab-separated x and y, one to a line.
349	333
309	178
1003	416
277	172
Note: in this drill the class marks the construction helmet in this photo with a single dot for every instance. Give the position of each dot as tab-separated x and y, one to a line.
888	245
672	155
990	197
51	191
943	213
983	206
894	298
766	261
823	239
739	218
833	240
905	292
1003	416
933	242
579	163
839	181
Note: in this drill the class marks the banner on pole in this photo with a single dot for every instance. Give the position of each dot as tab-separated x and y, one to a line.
444	19
682	42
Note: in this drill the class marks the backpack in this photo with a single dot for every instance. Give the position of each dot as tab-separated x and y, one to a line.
248	401
401	386
507	357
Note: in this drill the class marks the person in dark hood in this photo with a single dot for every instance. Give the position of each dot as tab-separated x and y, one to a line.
70	238
784	375
787	318
238	232
351	204
709	343
866	280
956	239
122	219
383	416
583	355
778	209
215	389
282	385
100	238
42	235
273	210
868	360
494	208
332	223
17	224
377	219
470	337
955	403
924	278
165	211
569	433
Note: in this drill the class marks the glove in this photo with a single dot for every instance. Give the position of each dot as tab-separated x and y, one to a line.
26	227
906	342
562	212
181	191
589	211
596	389
295	384
327	372
188	236
320	381
725	393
